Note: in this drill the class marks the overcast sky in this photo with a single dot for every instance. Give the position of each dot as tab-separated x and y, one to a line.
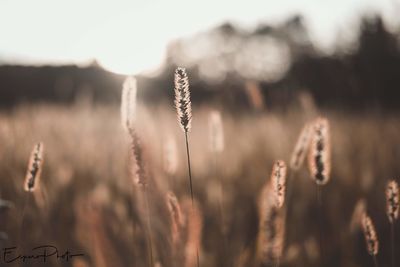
130	36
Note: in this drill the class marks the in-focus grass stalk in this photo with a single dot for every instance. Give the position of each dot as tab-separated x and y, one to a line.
183	107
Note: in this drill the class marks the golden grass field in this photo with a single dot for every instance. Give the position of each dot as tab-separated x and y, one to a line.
89	204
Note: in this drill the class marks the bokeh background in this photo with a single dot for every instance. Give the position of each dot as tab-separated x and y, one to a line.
268	67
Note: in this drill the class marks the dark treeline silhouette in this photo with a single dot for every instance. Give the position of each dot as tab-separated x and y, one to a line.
361	78
60	84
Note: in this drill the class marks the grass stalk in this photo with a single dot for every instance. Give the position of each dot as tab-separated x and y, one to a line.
149	229
320	232
375	261
392	243
191	184
189	167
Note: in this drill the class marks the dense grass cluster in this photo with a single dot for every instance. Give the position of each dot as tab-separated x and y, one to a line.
121	195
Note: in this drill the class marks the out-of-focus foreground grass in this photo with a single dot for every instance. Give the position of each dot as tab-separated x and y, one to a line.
87	204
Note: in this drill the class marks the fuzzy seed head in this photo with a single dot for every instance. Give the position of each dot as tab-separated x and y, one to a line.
371	238
177	220
216	132
182	99
34	168
170	159
278	180
128	103
271	233
138	168
319	156
392	201
301	148
359	209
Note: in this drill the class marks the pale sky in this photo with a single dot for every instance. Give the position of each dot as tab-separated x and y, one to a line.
130	36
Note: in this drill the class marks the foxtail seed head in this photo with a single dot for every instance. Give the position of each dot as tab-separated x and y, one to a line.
170	156
177	220
128	103
301	148
216	131
278	180
392	201
182	99
319	156
138	171
34	168
371	239
271	233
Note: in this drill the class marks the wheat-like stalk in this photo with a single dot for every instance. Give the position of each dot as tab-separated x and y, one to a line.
392	210
34	168
359	209
371	238
139	174
392	201
278	181
177	220
320	155
170	156
128	103
271	231
216	132
31	182
138	166
182	99
183	106
301	147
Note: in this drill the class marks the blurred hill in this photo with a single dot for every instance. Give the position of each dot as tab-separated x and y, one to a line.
226	63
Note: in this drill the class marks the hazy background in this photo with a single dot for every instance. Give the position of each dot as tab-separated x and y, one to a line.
344	52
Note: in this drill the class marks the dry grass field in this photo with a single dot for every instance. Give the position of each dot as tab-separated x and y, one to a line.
88	203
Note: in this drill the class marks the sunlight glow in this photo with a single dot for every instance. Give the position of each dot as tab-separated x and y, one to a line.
131	36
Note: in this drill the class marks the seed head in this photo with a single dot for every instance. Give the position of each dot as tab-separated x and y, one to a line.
170	159
128	103
216	132
271	233
278	180
320	155
392	201
177	221
34	168
301	148
182	99
371	238
138	168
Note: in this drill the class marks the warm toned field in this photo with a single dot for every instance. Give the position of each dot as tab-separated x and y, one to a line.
90	204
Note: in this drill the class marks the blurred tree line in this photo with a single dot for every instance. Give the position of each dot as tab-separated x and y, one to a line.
363	77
